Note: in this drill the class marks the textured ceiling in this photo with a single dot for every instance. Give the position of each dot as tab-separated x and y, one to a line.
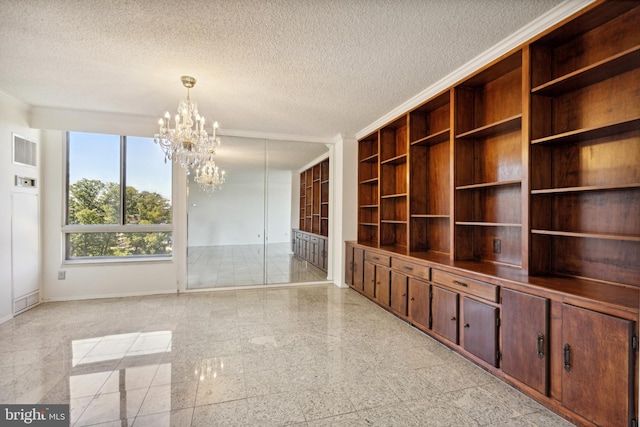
312	68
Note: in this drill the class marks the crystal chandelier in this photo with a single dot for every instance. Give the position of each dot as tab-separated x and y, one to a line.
190	148
209	177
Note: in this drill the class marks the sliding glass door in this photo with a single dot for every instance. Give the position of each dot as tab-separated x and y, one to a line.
241	234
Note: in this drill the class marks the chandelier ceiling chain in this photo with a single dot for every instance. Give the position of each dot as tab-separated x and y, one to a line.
191	148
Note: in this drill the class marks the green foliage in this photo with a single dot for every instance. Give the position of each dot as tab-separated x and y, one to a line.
95	202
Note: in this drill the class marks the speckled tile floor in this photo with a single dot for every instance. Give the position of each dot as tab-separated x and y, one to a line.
244	265
305	356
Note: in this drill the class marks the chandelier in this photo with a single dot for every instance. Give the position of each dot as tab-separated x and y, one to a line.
209	177
190	147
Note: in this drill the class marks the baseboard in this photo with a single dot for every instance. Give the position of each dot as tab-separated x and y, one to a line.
6	318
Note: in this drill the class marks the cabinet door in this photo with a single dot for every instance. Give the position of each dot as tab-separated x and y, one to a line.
369	279
382	285
419	302
525	338
480	330
324	254
348	265
399	293
444	309
597	379
358	269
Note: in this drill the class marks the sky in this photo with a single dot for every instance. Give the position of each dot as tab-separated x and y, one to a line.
96	156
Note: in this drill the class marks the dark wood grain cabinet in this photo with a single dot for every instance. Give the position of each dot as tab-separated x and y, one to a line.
383	285
419	304
445	313
508	204
311	247
597	366
358	269
399	292
525	338
480	330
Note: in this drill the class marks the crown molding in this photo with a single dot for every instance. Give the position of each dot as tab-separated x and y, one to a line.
532	29
276	136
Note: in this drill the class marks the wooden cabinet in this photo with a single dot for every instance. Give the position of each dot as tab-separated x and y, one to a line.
488	164
311	240
429	176
598	366
585	134
311	247
314	199
399	292
383	285
525	339
368	202
445	313
419	305
394	184
358	269
517	191
369	287
480	330
377	277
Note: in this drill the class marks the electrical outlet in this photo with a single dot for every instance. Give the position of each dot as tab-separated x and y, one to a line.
62	274
497	246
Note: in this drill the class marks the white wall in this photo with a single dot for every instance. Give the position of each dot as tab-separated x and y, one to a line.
92	280
14	117
344	190
235	215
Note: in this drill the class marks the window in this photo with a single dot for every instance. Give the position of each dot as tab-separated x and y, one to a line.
118	198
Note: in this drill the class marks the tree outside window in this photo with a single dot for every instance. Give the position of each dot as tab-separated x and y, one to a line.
118	198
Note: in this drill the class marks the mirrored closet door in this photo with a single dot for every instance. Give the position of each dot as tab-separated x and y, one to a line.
243	234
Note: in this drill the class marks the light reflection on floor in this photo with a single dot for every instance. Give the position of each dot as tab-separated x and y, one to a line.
243	265
307	356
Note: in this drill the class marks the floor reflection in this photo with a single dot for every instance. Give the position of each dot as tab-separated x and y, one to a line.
309	356
243	265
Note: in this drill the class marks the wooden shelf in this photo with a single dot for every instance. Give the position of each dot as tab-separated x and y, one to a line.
369	224
370	159
392	221
585	134
488	224
586	188
368	206
594	73
502	126
395	160
489	185
369	181
430	216
391	196
588	235
314	199
435	138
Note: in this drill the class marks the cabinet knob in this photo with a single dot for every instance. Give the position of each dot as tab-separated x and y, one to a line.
404	295
466	325
567	357
412	298
453	318
540	346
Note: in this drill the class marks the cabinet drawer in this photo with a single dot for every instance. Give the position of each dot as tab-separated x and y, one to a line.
412	269
378	259
305	237
314	240
464	284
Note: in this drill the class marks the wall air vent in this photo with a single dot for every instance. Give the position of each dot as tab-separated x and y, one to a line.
26	302
25	152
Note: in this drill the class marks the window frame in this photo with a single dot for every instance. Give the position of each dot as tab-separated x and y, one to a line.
121	227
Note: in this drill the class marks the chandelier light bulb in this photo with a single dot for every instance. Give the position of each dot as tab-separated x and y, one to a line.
191	148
